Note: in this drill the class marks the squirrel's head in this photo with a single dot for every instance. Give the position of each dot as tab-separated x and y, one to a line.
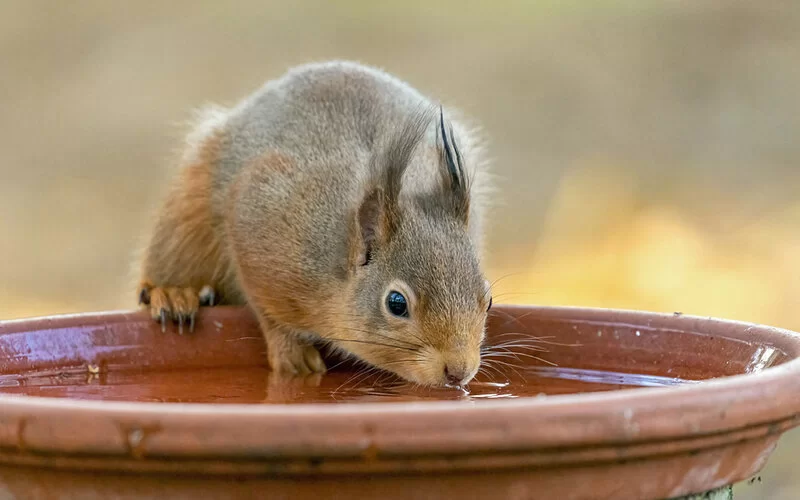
418	299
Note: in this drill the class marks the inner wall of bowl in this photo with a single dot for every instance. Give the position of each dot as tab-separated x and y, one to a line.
533	338
628	347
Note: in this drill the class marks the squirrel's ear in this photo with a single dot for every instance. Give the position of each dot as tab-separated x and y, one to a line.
454	179
378	215
371	227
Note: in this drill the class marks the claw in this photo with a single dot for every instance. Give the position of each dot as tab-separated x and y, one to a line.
207	296
180	324
163	320
144	296
191	322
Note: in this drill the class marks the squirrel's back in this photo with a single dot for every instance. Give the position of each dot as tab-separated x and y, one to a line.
317	127
331	115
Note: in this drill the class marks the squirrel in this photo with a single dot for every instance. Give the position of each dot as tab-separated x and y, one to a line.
343	207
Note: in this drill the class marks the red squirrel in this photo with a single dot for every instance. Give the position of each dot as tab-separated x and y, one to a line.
343	207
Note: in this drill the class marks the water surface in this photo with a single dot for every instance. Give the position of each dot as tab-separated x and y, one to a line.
256	385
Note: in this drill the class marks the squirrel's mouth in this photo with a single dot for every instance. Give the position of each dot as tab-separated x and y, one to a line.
434	376
424	366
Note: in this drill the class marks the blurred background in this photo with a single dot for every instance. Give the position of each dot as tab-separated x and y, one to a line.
647	152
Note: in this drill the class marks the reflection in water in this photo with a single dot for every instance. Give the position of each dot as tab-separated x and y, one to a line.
606	377
256	385
764	357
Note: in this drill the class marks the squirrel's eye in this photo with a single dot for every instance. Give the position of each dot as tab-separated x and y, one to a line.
490	305
396	303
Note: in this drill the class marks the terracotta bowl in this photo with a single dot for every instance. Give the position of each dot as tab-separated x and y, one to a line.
578	403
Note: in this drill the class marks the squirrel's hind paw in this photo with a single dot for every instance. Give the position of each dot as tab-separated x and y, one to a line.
175	303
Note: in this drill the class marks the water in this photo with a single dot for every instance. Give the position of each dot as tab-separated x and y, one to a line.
256	385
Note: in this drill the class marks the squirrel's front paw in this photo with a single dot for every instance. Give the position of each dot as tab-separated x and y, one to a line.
292	357
175	303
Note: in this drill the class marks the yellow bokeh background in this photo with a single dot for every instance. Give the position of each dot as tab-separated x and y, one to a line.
601	247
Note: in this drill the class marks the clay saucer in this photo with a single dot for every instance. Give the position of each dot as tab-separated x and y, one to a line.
637	405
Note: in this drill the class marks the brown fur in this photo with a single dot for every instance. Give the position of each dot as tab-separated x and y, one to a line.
185	252
312	204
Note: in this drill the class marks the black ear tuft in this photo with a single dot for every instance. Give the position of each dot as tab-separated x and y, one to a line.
449	151
455	182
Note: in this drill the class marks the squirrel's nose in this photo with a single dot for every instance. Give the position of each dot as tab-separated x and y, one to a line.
455	376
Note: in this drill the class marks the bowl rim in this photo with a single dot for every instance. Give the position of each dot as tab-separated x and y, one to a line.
768	400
